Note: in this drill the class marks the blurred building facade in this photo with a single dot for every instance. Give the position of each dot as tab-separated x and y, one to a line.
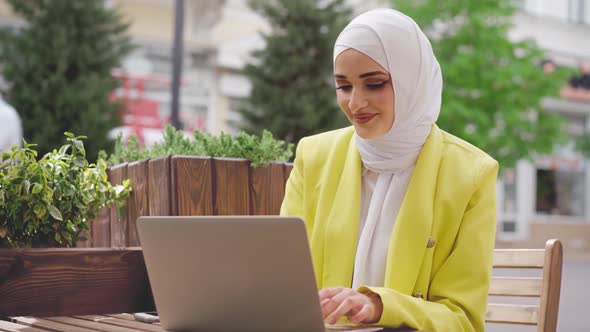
540	198
549	196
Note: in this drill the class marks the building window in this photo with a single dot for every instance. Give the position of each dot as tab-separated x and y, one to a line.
560	193
508	201
509	178
579	11
561	177
509	227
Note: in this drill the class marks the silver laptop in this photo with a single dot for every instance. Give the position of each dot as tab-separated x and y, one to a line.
246	273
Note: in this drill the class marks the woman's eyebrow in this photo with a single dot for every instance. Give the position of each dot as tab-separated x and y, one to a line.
373	73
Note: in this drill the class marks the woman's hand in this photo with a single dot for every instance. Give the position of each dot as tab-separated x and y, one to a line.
337	302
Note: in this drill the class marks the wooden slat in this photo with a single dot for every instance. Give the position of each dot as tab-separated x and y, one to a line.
267	189
125	316
119	223
15	327
85	324
522	258
100	229
128	323
513	314
551	285
192	190
231	186
48	325
159	187
73	281
529	287
138	203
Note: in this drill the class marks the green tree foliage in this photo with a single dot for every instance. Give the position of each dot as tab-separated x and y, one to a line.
58	69
292	77
492	86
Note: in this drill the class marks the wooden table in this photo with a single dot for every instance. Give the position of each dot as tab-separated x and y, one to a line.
88	323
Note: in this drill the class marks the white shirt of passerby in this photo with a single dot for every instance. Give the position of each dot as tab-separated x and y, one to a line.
11	132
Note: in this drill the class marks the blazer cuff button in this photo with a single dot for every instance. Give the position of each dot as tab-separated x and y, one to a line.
430	243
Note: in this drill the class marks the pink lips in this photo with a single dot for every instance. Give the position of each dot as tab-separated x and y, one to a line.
364	117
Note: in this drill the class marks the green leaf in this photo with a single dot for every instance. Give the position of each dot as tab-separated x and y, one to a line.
40	210
79	145
54	212
67	236
79	162
26	187
37	188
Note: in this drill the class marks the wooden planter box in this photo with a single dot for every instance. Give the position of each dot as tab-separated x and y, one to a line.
188	186
73	281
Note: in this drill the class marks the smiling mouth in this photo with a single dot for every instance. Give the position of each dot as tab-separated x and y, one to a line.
364	118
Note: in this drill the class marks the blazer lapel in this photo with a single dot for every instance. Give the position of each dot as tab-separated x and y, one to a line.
414	221
343	223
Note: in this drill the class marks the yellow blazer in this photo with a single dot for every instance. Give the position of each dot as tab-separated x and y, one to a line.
440	253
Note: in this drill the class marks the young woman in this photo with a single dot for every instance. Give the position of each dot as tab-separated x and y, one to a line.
400	214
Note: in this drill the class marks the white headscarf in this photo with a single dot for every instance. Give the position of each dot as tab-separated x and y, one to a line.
396	42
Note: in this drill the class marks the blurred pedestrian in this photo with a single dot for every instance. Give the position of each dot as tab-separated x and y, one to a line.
582	80
11	131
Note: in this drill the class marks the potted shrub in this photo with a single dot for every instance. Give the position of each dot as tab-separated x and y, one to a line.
198	174
49	202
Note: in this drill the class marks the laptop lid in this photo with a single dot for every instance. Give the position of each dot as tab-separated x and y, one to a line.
243	273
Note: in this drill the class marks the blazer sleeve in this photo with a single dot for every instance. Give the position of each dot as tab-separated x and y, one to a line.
457	298
293	202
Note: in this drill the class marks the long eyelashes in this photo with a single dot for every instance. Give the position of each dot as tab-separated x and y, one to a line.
370	86
377	86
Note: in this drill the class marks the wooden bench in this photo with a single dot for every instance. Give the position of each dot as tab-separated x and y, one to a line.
547	288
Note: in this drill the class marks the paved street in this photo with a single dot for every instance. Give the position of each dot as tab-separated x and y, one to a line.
574	309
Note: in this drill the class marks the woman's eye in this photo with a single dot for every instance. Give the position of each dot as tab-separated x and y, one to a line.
376	85
344	87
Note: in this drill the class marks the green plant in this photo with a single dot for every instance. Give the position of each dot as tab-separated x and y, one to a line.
49	202
58	65
258	149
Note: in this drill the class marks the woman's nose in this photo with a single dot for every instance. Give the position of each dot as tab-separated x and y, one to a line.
357	100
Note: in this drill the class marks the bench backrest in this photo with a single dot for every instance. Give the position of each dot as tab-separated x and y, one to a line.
547	288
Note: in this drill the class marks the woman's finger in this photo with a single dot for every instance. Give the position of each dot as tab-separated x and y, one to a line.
345	306
327	307
329	292
336	300
364	314
343	294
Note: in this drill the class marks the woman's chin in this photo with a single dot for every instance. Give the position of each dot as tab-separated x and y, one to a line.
367	133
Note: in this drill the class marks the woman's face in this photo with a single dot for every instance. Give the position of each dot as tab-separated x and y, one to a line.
365	93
